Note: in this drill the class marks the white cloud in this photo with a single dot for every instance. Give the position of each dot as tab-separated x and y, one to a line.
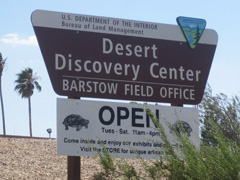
31	61
14	39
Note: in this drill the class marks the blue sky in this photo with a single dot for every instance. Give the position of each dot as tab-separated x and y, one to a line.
18	44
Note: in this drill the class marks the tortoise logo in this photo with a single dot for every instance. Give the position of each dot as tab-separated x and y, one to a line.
177	127
75	121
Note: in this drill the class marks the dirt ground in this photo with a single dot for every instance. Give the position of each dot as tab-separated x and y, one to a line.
30	159
23	158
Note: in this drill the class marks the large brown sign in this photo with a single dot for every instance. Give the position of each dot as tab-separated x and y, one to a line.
102	57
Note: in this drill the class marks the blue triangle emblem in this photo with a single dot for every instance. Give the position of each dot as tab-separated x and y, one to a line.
192	29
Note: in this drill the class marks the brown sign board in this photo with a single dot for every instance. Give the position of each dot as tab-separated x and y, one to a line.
101	57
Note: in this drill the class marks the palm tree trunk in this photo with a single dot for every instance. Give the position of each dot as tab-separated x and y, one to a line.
30	114
3	117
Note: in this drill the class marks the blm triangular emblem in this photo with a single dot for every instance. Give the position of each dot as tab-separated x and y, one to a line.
192	29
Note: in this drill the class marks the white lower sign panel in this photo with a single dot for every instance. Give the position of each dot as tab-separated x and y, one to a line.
124	128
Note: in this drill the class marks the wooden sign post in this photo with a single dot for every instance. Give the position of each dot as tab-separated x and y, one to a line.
74	167
74	163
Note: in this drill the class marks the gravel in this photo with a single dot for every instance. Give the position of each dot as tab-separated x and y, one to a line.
35	158
24	158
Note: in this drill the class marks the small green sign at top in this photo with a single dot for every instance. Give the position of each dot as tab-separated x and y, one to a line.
192	29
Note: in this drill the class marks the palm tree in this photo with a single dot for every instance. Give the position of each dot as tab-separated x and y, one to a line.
2	65
26	82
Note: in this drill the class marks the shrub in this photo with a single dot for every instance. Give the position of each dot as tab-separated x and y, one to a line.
218	162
